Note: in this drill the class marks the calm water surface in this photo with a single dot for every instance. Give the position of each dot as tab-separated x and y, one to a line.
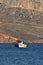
12	55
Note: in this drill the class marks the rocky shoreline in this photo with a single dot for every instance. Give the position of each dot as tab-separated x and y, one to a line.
6	38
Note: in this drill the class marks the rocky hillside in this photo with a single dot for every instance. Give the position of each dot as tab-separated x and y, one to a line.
22	19
29	4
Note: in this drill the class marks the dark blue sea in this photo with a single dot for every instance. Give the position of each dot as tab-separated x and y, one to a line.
12	55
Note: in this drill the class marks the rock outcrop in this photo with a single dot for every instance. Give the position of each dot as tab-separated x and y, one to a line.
5	38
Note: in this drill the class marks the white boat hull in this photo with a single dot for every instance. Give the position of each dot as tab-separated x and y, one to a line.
22	45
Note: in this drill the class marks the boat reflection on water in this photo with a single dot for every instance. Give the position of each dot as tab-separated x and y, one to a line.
21	44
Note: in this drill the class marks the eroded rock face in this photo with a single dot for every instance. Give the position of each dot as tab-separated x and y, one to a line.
5	38
29	4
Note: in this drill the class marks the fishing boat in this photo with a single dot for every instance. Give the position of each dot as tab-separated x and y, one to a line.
21	44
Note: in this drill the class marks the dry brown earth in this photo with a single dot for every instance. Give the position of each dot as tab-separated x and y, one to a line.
22	19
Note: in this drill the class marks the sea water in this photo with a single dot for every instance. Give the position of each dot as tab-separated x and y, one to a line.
12	55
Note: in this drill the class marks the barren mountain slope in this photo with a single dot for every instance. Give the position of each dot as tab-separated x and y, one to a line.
22	23
29	4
